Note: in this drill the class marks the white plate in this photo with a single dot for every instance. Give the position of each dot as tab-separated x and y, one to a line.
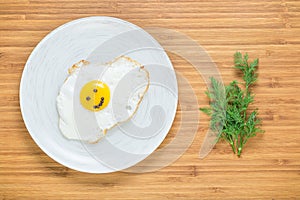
46	70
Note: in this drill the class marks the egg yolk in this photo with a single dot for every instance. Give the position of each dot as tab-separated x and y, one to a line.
94	95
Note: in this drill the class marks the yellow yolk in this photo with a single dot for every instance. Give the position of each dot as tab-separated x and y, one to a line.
94	95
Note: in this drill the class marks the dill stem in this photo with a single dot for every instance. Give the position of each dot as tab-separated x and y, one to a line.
233	147
232	144
240	147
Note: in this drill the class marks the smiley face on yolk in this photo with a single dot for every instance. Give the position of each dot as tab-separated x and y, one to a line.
94	95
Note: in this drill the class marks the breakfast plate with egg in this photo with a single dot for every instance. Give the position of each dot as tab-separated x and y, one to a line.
98	94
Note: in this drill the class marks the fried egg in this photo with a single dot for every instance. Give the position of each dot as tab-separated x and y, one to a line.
95	98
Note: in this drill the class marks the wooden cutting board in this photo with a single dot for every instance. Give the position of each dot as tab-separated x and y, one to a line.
270	165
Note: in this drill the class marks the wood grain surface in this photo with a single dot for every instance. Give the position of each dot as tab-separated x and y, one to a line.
270	165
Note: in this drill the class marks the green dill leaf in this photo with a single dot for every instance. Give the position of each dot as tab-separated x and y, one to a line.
207	111
238	59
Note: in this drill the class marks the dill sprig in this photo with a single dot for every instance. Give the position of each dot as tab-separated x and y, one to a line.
228	110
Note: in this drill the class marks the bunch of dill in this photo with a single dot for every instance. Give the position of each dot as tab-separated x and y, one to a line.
228	110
